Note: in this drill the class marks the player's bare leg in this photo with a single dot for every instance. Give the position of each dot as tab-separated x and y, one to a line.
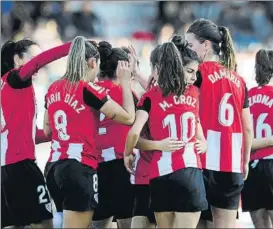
44	224
124	223
205	224
73	219
261	218
224	218
165	219
186	219
105	223
141	222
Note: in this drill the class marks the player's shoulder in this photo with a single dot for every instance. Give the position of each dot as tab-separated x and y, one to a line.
94	87
261	90
56	84
154	91
204	66
193	89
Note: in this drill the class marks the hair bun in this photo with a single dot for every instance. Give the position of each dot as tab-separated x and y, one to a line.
105	49
179	42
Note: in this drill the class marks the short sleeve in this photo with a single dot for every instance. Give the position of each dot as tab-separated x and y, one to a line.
246	102
144	103
94	96
16	82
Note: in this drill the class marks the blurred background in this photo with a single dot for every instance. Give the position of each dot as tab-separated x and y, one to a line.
141	23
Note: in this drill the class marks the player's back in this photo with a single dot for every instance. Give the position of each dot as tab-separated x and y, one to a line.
176	117
18	120
111	136
222	99
73	123
261	109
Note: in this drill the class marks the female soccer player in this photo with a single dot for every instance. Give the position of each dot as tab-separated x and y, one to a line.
72	104
257	194
172	111
143	215
112	174
225	117
25	200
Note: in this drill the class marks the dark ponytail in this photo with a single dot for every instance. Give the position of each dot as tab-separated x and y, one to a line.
220	39
109	58
187	54
227	55
264	66
11	48
171	78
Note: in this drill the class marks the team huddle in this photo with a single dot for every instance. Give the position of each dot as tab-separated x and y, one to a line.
181	153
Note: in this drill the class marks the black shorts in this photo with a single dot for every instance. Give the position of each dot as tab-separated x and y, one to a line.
24	196
224	189
207	214
72	185
258	190
116	197
180	191
142	202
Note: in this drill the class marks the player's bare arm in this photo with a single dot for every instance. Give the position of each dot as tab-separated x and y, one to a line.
132	138
260	143
166	145
247	137
201	143
47	128
126	113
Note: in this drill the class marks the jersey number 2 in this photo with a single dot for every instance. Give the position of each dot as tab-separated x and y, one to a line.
60	121
187	123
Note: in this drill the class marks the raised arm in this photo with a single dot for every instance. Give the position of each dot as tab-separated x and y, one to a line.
126	113
39	61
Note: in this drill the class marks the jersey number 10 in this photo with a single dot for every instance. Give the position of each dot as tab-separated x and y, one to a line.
187	124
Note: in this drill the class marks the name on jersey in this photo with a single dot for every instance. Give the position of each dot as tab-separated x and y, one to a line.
224	74
177	100
69	99
263	99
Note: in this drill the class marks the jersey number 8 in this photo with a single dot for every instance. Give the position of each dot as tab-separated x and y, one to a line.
60	121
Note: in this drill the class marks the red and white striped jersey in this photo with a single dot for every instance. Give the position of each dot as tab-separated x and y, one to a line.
261	108
74	121
112	135
175	117
18	121
223	95
142	167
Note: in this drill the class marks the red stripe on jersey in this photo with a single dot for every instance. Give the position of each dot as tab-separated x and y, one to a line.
261	109
111	137
73	123
175	117
222	96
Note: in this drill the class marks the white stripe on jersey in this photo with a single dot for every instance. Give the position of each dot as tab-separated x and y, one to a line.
237	143
4	147
214	150
108	154
189	156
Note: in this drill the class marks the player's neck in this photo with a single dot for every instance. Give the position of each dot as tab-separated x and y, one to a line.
212	57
